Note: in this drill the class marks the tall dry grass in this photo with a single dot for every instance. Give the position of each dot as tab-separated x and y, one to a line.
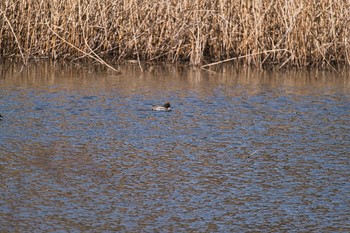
285	32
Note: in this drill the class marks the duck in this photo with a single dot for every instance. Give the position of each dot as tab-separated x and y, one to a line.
1	117
165	107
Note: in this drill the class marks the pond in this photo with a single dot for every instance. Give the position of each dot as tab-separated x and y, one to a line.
242	150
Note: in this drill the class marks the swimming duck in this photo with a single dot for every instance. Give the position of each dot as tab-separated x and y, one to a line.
1	117
164	108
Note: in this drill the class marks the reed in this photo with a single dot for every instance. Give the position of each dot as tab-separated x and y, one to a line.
288	33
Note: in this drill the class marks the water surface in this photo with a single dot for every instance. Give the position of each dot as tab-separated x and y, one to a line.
242	151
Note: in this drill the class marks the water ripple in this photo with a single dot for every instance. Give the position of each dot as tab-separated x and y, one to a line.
229	157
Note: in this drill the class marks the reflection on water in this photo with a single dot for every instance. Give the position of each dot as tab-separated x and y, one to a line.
81	151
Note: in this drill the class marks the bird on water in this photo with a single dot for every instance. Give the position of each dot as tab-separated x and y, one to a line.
165	107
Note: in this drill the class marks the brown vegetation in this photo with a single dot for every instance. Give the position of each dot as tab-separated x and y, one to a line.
299	32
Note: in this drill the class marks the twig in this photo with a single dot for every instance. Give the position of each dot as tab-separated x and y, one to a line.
253	153
244	56
16	39
135	43
137	52
324	58
95	57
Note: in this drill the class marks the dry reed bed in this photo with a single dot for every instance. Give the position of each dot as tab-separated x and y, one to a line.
298	32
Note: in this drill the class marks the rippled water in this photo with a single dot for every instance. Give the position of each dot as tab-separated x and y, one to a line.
242	151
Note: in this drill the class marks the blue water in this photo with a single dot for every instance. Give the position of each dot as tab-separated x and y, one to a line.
240	152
